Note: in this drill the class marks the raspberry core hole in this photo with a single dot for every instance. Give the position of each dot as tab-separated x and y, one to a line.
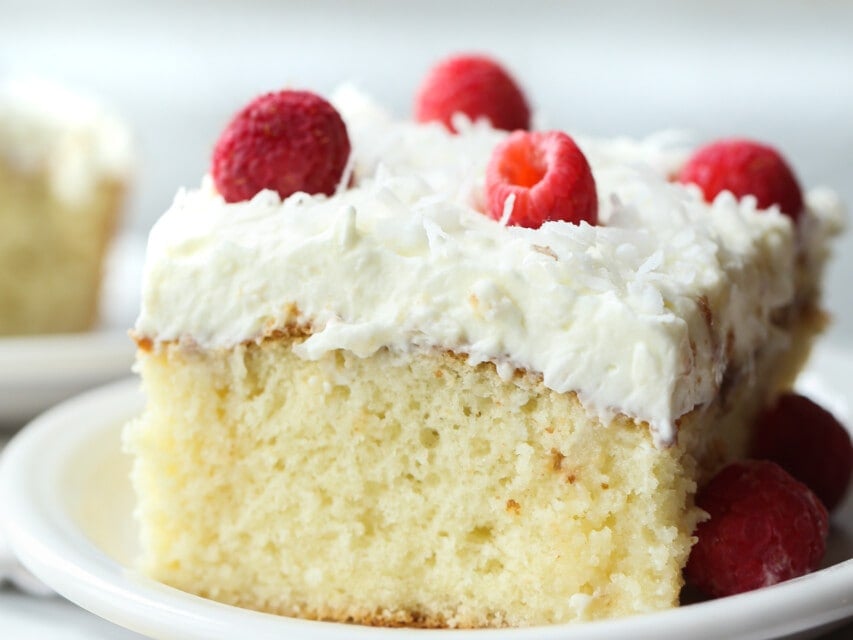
524	164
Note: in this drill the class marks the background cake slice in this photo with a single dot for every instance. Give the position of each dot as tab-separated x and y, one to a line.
384	406
64	165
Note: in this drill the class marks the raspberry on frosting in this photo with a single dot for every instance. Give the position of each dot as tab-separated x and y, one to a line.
745	167
474	85
764	527
547	176
809	443
287	141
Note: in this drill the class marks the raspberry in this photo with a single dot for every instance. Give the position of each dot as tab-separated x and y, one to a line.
476	86
745	168
548	175
765	527
807	442
286	141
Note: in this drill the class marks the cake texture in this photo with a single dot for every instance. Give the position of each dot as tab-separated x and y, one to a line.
385	407
64	166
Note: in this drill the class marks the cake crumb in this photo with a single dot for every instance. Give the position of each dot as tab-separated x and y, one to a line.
548	251
557	460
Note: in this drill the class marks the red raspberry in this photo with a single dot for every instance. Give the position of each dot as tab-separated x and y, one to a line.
765	527
807	442
287	141
745	168
548	175
476	86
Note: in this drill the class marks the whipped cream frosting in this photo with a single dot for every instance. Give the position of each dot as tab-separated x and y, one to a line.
71	138
640	315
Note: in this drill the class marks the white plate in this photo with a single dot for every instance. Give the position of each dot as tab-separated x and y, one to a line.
38	371
67	500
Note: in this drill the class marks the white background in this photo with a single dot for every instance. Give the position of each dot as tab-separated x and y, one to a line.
780	71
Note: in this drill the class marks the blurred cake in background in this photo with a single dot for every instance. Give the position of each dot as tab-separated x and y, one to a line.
64	166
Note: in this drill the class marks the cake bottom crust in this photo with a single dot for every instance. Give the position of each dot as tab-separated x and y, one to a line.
415	491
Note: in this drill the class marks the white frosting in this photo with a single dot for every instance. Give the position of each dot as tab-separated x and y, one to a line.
72	139
618	313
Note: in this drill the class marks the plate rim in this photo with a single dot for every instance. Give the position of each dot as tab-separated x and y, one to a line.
39	371
44	358
56	550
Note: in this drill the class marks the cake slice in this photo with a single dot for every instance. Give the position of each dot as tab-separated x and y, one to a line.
64	164
383	406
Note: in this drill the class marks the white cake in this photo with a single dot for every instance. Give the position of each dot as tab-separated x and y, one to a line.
385	407
64	168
